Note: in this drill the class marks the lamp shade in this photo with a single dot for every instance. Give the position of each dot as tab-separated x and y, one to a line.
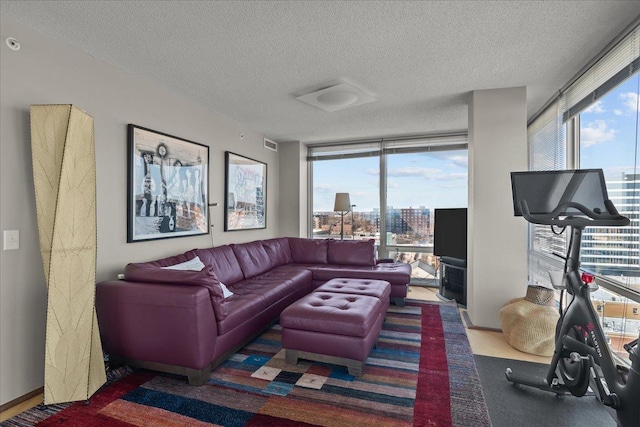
343	203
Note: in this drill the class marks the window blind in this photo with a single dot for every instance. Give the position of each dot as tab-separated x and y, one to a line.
547	137
344	150
547	151
420	144
620	62
449	142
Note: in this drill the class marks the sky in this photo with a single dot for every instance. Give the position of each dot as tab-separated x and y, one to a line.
433	180
609	132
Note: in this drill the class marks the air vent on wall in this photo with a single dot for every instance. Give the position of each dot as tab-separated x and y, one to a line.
270	144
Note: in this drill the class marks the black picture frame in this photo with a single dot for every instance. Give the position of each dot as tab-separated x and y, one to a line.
167	186
245	195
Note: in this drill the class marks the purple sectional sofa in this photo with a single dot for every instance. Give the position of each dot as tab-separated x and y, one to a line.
179	321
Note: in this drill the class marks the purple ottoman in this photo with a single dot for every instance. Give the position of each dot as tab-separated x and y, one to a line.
334	328
380	289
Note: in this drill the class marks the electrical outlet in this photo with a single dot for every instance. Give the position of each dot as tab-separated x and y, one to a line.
11	240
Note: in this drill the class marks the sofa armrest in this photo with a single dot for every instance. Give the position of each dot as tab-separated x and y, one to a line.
169	324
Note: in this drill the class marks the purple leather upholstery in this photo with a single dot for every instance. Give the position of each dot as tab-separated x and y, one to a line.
224	262
308	251
165	262
255	296
253	258
398	275
351	252
205	278
180	320
300	277
332	324
174	325
278	250
374	288
341	314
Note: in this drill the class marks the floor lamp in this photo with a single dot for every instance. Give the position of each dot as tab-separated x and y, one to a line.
342	205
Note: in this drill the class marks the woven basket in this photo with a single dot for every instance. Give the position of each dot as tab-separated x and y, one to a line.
529	323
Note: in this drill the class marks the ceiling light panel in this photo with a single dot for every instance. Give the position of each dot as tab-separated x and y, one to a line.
337	97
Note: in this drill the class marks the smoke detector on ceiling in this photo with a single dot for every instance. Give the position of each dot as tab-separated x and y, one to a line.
337	97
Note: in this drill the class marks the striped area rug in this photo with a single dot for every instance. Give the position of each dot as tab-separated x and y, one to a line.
421	373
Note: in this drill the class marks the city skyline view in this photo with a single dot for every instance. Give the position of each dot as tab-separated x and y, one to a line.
432	179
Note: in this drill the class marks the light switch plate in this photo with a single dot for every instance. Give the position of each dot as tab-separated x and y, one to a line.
11	240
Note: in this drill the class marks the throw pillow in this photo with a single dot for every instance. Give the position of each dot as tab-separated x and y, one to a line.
225	292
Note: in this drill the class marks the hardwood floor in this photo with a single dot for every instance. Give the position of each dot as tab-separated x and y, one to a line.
20	407
483	342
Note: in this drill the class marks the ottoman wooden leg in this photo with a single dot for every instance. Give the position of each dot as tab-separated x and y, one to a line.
355	368
291	356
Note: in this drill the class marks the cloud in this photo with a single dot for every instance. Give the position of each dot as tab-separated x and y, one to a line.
431	174
374	172
630	100
596	108
413	171
324	188
460	161
596	132
617	112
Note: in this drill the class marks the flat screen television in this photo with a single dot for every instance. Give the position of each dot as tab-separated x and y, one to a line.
545	190
450	233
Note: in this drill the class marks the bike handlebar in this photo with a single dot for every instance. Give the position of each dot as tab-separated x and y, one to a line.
589	218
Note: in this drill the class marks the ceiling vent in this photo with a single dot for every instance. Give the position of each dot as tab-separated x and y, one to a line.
337	97
271	145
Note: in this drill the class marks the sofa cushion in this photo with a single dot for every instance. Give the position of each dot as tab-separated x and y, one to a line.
252	296
168	261
224	263
299	276
308	251
148	273
351	252
253	258
278	250
396	274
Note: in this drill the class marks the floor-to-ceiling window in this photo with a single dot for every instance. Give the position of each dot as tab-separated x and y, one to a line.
356	176
594	123
394	187
417	183
608	139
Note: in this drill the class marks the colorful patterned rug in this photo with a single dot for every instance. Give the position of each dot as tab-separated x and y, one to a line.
421	373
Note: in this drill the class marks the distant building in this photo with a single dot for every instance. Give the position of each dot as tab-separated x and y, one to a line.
615	251
412	223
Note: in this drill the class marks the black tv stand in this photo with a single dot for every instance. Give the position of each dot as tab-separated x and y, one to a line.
453	280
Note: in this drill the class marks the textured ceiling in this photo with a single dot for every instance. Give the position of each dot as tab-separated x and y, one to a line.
248	60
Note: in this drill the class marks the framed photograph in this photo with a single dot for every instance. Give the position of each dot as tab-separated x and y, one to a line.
245	197
167	186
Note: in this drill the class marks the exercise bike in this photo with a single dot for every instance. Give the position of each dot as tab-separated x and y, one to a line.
582	357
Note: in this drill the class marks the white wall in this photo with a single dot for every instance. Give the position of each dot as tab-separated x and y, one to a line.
294	217
46	71
497	267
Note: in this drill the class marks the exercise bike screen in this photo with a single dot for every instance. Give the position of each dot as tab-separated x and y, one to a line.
545	190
